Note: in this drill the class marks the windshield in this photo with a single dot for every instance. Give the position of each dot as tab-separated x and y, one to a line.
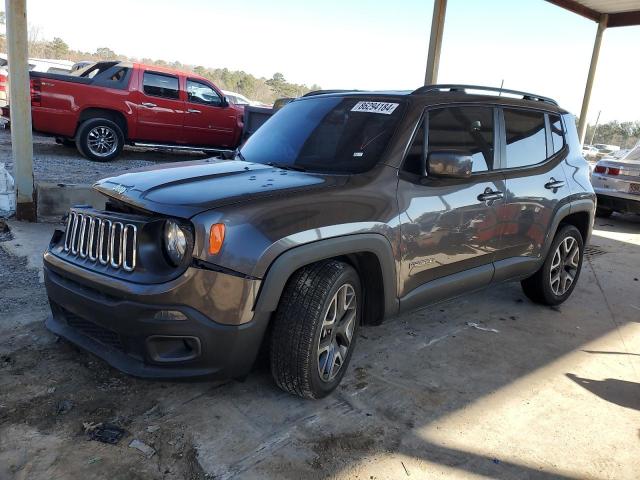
634	154
330	134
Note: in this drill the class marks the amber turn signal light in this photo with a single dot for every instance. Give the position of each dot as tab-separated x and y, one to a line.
216	238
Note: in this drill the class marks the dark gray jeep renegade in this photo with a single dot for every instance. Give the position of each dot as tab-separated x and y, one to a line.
344	209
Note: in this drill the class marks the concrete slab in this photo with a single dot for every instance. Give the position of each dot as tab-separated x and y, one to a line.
554	393
55	199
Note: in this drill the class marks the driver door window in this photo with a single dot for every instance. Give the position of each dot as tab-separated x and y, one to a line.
464	129
198	92
207	120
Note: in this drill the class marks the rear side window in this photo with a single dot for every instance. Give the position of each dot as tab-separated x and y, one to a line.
161	85
557	133
463	129
526	138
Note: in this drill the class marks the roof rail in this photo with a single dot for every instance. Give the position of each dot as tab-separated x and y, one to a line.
322	92
499	91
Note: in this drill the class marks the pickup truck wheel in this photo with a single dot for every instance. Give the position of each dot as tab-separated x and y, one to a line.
100	139
556	279
315	327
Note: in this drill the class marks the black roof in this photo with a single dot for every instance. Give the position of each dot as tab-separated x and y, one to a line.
458	92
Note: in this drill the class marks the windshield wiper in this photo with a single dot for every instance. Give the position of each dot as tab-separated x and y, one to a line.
285	166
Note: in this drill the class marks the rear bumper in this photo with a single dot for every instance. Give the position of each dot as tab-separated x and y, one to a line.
122	329
626	203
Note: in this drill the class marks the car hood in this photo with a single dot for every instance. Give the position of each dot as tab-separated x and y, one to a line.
188	188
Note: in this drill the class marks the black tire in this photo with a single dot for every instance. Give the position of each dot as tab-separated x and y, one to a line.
540	286
603	212
93	125
65	142
298	324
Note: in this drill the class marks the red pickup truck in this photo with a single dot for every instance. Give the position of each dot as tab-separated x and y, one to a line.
109	104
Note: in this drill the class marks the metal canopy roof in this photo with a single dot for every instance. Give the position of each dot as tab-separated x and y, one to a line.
621	13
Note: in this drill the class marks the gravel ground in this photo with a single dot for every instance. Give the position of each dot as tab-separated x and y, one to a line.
19	285
59	164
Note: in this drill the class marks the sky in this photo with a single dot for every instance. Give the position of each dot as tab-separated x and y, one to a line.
530	44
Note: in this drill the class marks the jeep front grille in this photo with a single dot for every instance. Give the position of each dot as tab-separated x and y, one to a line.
98	239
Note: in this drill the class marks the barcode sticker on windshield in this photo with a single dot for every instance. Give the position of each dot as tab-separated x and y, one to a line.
375	107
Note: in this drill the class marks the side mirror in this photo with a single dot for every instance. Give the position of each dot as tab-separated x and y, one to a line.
449	164
224	103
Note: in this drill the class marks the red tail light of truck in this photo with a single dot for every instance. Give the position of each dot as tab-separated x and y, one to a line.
36	90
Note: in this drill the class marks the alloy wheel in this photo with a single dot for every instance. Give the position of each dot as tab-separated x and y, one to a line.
337	332
564	266
102	141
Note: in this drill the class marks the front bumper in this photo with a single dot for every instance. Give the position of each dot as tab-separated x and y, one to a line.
119	325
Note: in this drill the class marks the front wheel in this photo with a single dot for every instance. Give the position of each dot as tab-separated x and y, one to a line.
100	139
553	283
314	330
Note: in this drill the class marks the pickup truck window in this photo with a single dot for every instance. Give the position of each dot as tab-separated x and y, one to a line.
326	134
198	92
93	69
161	85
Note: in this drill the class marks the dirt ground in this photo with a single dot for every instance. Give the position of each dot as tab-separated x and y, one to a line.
487	386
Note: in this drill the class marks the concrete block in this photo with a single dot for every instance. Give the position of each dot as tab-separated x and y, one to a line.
55	199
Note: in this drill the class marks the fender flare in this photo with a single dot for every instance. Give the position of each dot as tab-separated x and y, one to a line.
582	205
288	262
114	114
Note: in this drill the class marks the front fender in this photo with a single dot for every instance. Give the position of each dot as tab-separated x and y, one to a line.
288	262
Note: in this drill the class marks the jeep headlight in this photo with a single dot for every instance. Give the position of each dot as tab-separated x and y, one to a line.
175	242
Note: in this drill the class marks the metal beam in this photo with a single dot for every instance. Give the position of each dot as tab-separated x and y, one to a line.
435	42
20	105
578	8
617	19
624	19
582	126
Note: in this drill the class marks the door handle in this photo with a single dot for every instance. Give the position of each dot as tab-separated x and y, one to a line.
490	195
149	104
554	184
193	110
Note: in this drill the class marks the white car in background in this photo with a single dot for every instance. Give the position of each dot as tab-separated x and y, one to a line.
604	148
35	65
590	152
616	182
239	99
